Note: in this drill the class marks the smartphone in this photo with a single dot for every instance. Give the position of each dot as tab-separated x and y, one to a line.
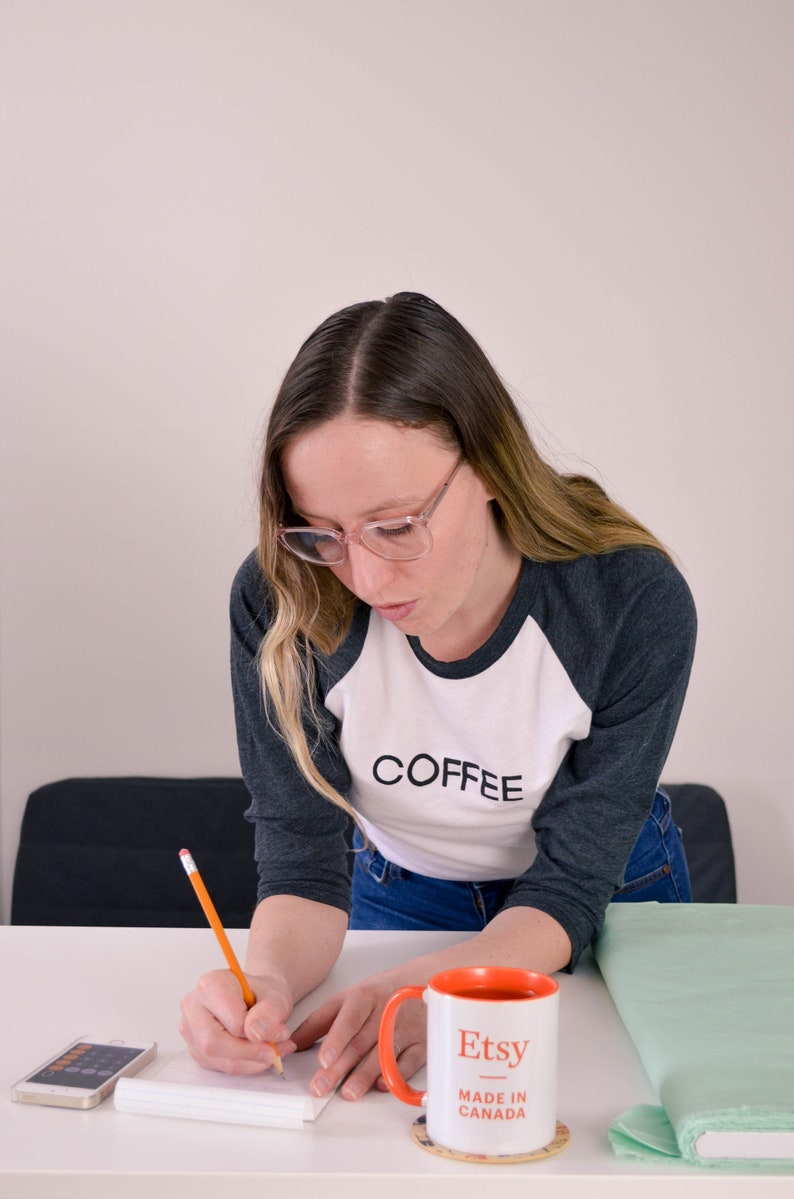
84	1073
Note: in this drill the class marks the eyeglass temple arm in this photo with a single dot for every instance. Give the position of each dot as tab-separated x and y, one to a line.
429	511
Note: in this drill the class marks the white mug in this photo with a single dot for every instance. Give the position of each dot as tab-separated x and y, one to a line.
491	1059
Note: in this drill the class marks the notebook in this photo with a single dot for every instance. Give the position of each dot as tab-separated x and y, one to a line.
183	1089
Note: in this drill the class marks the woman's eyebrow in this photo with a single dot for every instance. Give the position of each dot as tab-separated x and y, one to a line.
403	504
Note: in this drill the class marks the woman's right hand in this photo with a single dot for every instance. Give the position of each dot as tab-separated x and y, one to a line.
222	1034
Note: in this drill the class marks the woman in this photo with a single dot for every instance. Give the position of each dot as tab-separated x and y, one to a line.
479	659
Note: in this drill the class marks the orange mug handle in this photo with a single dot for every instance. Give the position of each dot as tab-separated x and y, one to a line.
388	1062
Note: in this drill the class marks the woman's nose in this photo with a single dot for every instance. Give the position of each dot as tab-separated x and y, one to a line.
369	573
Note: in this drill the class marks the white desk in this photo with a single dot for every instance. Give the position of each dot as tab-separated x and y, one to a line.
59	983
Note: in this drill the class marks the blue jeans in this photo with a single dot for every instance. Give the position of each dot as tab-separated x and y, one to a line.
386	896
657	868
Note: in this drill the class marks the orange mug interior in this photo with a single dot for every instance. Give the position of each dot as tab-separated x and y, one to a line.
493	983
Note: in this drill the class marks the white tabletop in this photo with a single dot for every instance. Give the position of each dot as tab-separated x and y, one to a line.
61	983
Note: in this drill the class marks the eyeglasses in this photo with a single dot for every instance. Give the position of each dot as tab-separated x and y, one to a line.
403	537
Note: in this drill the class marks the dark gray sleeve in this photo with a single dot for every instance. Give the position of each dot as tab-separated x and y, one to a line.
300	835
589	820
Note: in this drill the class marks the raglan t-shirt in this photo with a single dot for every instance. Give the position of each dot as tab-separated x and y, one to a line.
534	759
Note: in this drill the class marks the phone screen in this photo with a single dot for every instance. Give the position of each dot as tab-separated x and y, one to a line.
85	1064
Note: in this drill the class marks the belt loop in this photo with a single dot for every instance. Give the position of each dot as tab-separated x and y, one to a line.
662	800
379	867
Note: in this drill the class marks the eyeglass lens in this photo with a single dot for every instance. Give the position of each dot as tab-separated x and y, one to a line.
402	538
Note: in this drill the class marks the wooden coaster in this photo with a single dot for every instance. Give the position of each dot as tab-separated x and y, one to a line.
419	1135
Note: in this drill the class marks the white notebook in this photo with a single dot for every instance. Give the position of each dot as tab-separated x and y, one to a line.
182	1088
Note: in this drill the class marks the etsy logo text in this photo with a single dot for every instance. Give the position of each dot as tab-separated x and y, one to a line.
476	1047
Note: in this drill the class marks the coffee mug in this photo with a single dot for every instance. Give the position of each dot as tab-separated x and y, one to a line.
491	1059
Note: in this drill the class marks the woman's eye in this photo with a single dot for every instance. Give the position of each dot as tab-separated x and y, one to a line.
392	531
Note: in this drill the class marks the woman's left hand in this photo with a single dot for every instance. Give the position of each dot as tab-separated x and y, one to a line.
349	1021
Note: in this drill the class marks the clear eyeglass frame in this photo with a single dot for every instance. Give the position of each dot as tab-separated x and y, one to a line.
401	538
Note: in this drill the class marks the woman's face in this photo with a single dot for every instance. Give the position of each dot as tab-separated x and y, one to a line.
349	471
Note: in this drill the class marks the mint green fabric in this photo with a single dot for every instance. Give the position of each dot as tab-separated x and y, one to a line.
706	992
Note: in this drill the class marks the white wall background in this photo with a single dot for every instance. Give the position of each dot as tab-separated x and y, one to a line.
601	190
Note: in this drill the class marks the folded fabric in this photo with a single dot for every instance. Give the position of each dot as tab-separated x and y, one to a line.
706	992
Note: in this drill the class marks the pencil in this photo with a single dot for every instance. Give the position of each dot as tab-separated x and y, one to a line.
191	869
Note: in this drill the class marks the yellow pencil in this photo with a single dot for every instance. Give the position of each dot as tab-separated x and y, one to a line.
191	869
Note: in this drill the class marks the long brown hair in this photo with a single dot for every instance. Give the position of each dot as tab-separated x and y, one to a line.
408	361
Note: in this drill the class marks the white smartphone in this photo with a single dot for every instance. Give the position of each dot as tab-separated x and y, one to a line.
84	1073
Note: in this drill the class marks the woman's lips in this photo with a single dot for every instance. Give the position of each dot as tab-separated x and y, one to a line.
395	612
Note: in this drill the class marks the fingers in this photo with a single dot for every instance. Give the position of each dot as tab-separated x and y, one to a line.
317	1024
367	1074
409	1060
221	1034
265	1021
349	1023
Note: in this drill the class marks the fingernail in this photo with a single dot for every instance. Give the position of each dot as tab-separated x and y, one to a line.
258	1031
352	1090
320	1087
327	1056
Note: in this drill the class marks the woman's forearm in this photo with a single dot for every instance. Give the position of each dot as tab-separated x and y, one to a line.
297	939
518	936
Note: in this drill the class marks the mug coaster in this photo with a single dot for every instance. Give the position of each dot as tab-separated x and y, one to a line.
419	1135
